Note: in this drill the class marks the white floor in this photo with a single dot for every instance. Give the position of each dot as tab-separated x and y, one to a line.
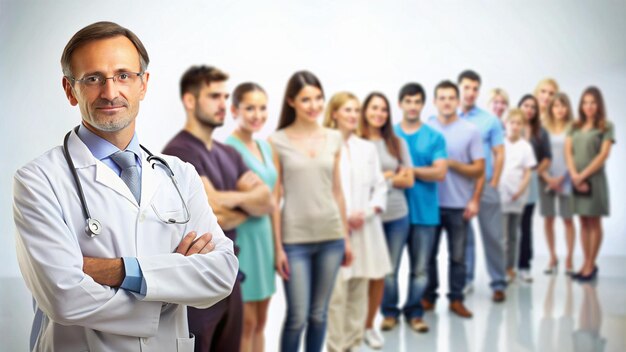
551	314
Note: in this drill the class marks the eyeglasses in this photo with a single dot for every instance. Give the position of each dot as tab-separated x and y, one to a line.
97	80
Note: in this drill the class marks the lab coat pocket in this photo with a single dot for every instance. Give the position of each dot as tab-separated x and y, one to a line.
185	344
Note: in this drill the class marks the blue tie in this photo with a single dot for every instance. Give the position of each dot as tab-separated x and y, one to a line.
130	173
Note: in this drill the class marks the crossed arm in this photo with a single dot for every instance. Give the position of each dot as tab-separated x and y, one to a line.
252	198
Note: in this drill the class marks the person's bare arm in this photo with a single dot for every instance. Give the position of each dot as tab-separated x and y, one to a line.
473	206
475	169
597	162
434	173
498	163
227	218
281	260
338	195
403	178
523	185
252	196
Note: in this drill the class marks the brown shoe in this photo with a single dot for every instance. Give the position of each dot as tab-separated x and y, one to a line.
498	296
459	309
388	323
427	305
419	325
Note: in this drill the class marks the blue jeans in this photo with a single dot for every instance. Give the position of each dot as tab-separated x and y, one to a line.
314	268
455	225
420	241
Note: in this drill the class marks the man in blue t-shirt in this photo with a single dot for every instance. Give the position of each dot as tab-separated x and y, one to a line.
486	190
428	153
465	165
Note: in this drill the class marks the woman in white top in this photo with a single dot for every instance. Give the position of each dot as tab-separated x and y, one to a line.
365	194
555	186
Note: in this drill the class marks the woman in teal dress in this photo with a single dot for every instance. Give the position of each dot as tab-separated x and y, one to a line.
587	148
254	236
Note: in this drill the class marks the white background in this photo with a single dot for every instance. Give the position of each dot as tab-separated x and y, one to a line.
350	45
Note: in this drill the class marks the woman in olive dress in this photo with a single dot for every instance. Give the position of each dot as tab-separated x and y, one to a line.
587	148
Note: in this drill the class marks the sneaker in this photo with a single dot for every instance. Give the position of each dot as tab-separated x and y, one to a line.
525	276
459	309
388	323
419	325
469	288
510	276
373	339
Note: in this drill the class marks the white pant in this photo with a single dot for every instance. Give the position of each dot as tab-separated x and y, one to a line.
346	314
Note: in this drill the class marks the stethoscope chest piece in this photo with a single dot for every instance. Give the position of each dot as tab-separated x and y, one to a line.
93	227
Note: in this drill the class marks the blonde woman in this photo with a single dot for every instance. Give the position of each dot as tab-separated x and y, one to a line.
555	184
365	194
498	102
544	92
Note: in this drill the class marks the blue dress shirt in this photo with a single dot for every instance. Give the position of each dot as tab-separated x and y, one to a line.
102	150
491	132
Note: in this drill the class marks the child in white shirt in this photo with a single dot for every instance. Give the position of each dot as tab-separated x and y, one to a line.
519	159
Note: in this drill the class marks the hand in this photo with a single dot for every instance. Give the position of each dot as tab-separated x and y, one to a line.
356	220
493	183
191	245
553	183
282	264
105	271
577	179
248	181
471	209
582	187
516	196
389	174
347	254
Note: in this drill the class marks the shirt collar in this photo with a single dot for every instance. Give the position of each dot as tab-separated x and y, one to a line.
101	148
473	111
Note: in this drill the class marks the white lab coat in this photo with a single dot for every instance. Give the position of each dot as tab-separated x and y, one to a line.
364	189
82	315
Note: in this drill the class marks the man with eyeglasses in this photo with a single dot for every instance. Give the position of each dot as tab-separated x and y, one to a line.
125	285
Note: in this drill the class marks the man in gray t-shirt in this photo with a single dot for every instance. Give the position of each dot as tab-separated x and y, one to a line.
466	163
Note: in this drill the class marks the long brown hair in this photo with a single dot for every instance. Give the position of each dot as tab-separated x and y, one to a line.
599	121
295	84
391	140
535	122
549	117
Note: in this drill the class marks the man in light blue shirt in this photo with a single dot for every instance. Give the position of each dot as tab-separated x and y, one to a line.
486	190
465	165
428	153
103	150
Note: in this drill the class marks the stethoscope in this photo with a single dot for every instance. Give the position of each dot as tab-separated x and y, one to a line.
93	227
